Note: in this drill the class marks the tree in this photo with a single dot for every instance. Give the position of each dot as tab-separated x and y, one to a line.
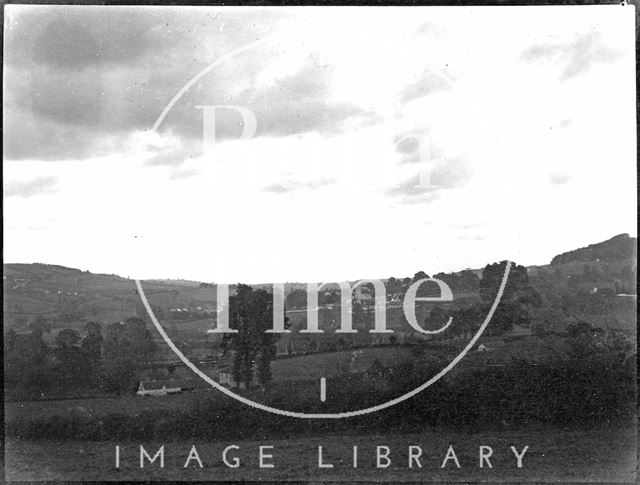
92	342
141	344
517	299
420	275
115	343
436	319
466	321
393	286
251	313
492	275
26	362
67	338
129	340
119	359
468	280
581	340
74	367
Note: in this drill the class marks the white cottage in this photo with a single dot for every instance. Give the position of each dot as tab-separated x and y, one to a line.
159	387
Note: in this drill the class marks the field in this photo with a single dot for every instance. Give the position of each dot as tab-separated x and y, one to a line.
302	368
554	455
316	366
130	405
310	367
37	289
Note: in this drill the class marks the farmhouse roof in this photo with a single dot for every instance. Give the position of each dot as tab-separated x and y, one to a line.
165	383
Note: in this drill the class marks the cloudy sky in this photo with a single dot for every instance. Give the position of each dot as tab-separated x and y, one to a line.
387	140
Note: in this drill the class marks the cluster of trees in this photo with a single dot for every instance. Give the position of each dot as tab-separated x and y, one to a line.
253	349
463	281
108	360
518	298
518	301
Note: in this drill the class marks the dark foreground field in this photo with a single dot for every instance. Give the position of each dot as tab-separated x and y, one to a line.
602	454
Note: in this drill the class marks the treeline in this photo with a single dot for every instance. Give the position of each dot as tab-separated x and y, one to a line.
464	281
591	384
108	361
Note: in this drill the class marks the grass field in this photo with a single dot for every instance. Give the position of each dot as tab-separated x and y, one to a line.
302	368
129	405
554	455
315	366
310	367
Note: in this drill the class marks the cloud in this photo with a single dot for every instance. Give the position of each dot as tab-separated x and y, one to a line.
300	103
468	226
450	174
183	174
291	186
573	58
429	82
410	191
80	80
472	237
171	156
559	178
31	188
429	28
74	37
65	113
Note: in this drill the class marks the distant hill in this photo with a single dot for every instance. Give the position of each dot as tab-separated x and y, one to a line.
619	248
65	295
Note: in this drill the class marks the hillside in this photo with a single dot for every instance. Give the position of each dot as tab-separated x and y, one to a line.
610	264
65	295
619	248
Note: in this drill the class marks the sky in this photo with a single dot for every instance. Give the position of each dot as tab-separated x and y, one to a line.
387	140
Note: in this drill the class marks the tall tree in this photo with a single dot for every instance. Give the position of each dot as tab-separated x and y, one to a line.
92	342
74	367
251	313
140	339
517	299
67	338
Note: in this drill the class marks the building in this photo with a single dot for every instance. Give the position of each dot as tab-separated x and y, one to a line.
168	380
159	387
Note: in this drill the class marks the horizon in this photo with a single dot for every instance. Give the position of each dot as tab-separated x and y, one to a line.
161	279
331	185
